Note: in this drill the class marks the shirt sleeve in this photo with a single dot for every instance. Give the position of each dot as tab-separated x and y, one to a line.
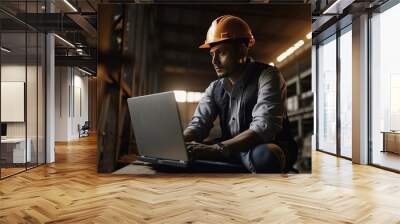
268	113
204	115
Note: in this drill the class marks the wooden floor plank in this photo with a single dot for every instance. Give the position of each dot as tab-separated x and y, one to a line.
70	191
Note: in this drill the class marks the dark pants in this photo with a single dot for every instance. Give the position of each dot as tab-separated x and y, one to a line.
264	158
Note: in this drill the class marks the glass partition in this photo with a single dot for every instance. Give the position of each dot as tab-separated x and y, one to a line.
22	88
326	98
13	96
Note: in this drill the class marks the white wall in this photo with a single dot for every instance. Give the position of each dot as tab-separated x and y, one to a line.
16	73
71	94
62	81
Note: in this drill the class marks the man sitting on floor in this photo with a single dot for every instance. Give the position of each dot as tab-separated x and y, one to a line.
249	98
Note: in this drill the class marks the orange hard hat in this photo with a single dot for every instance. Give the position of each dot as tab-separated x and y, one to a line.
226	28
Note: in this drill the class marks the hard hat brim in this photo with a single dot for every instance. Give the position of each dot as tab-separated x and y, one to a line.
205	45
208	45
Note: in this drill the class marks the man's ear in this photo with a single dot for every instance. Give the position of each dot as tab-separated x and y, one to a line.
243	52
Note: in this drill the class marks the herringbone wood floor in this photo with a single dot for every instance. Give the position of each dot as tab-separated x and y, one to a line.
70	191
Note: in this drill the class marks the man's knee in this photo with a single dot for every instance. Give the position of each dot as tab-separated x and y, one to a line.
268	158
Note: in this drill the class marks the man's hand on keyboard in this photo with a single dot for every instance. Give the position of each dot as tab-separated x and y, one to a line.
202	151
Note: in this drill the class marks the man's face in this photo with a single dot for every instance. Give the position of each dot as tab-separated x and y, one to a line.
225	59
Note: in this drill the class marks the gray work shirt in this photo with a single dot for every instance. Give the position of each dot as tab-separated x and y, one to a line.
267	114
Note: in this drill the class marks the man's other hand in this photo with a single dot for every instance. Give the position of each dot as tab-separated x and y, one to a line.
202	151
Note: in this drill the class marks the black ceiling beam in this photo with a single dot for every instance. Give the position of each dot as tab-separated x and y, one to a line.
11	25
87	51
49	22
83	61
70	23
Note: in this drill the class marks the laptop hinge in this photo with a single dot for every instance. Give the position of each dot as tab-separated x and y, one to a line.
179	163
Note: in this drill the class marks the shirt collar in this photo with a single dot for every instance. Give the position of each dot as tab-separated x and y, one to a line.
248	72
244	78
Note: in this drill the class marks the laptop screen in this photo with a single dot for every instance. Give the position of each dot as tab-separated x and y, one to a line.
157	126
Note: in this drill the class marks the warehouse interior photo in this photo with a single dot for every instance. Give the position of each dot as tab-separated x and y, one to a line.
161	54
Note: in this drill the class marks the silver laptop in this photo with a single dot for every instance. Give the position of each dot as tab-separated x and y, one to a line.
158	131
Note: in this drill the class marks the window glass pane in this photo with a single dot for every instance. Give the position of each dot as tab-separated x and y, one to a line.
327	96
31	96
345	94
385	84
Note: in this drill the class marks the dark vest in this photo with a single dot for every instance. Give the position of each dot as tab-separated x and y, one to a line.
284	138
